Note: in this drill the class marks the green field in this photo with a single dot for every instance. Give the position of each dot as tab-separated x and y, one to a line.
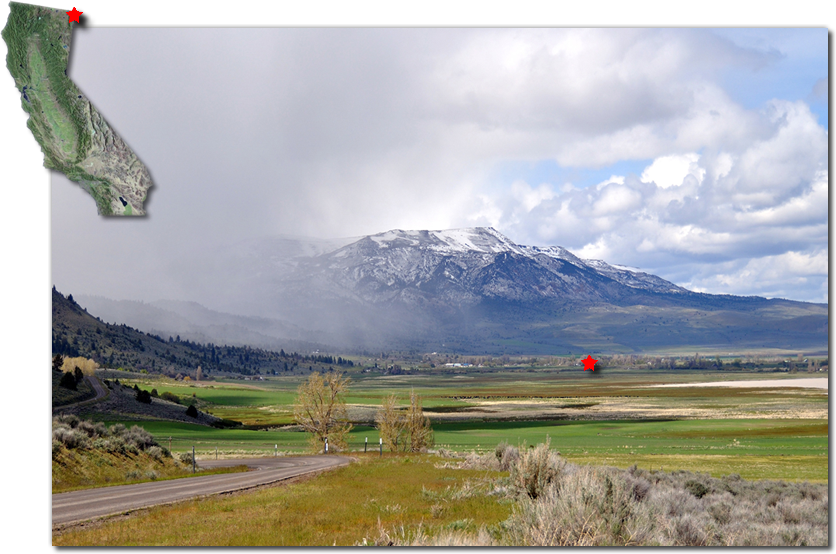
616	419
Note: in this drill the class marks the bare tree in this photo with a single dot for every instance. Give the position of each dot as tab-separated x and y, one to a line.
418	425
320	410
391	423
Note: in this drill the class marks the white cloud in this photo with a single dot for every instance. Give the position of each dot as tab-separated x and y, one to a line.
772	276
669	171
740	218
529	197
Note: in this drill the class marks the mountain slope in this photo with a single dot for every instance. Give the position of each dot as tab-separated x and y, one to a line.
477	290
473	291
75	332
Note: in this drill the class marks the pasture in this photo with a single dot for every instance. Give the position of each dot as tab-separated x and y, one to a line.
616	418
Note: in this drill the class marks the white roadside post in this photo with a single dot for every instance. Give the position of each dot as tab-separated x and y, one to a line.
366	448
194	464
277	450
381	446
326	445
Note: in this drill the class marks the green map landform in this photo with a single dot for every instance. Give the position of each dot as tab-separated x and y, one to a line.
74	137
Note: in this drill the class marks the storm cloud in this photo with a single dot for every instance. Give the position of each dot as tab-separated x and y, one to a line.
641	147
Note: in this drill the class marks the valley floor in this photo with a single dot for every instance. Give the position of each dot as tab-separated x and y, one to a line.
619	417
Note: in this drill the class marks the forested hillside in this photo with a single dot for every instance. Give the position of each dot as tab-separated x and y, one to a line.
78	333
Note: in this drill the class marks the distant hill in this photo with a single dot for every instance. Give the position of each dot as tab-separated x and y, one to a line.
197	323
75	332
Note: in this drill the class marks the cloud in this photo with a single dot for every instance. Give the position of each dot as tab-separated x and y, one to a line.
741	213
344	132
777	276
820	90
669	171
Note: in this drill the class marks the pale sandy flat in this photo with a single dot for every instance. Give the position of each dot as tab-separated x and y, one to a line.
807	383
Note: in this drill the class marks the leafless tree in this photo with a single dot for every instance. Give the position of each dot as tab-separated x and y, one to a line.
320	410
391	423
405	430
418	425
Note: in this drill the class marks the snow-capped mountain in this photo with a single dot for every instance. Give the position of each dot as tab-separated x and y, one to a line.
466	290
465	266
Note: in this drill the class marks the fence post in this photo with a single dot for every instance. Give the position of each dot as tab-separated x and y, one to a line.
194	464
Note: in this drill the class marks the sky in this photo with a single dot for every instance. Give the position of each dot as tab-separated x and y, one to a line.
699	155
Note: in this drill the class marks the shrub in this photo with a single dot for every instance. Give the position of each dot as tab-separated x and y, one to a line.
154	393
66	419
171	397
696	488
186	458
93	430
191	411
71	438
606	507
157	453
535	469
688	530
506	455
138	437
639	486
587	506
117	429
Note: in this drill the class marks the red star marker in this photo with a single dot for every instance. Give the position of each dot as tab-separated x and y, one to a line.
74	15
589	363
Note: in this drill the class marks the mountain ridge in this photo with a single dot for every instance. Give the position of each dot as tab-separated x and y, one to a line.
473	290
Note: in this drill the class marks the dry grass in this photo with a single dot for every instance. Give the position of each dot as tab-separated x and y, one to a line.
341	507
75	469
786	468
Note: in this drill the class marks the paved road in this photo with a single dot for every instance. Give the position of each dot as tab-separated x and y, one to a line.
76	506
97	386
100	390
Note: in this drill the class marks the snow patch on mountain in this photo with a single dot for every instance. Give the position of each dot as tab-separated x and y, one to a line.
450	241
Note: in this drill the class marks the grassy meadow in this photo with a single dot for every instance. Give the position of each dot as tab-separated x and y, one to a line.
618	418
